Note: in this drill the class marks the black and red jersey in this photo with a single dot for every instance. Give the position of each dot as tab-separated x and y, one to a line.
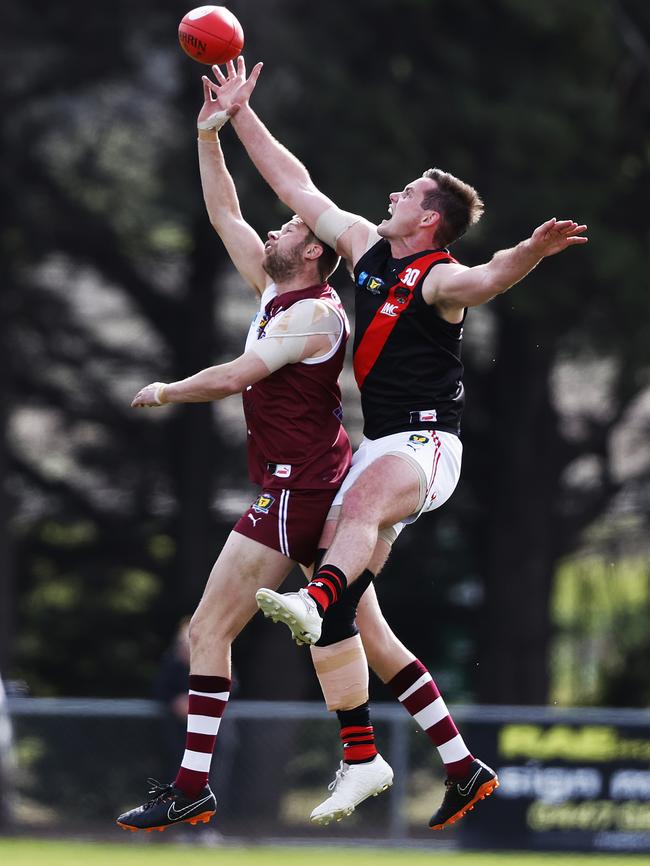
406	357
294	416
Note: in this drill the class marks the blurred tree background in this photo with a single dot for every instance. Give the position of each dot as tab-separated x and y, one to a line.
533	584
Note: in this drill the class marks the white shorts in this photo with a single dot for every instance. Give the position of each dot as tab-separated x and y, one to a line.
435	455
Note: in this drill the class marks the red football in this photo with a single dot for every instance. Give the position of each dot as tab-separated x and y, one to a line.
211	34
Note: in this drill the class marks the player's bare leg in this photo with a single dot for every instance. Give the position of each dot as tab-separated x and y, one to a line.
468	780
228	603
342	670
384	494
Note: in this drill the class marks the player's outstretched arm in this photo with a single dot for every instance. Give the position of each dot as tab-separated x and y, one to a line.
456	286
308	329
348	233
213	383
243	244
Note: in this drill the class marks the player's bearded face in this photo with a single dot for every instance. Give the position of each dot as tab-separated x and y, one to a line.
282	264
283	254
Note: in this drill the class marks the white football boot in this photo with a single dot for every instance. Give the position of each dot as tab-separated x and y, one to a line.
353	784
295	609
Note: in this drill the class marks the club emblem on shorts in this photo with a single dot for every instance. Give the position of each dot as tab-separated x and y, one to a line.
417	439
263	503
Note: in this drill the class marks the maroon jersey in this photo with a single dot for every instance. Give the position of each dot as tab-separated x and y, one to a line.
294	416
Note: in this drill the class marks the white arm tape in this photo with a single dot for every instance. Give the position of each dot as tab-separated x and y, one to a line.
332	223
158	393
285	339
215	121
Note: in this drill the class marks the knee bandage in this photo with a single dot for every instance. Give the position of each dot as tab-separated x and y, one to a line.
342	672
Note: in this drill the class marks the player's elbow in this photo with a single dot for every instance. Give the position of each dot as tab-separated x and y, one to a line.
232	382
488	289
221	383
222	217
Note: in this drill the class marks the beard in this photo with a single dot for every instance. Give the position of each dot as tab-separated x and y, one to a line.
281	266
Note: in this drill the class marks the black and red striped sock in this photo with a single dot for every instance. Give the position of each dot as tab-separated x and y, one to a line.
357	735
208	700
327	586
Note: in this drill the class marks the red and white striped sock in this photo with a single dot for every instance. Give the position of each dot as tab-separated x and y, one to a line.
208	700
415	689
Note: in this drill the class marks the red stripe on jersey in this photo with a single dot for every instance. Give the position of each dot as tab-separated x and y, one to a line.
387	316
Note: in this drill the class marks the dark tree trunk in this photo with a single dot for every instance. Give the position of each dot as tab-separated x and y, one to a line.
6	559
196	441
6	568
519	497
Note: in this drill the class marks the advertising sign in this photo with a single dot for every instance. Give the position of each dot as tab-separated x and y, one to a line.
564	785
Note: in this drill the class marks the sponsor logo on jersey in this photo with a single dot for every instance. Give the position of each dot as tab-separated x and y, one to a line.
363	276
389	309
263	503
401	294
282	470
375	285
261	325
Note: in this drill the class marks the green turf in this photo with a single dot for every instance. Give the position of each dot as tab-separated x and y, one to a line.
26	852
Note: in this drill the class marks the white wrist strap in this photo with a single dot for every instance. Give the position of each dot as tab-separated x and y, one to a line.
215	121
157	395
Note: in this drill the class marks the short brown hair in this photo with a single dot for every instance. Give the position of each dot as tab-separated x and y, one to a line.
458	203
328	261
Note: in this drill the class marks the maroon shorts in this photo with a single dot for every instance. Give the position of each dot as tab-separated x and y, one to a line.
290	521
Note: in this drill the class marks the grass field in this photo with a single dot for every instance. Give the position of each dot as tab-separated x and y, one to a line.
26	852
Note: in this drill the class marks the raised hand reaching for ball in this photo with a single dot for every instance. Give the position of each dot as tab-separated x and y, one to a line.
233	90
